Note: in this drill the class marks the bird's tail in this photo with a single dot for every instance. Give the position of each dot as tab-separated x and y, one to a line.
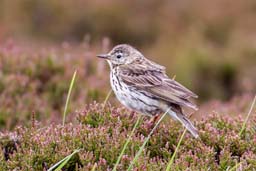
185	122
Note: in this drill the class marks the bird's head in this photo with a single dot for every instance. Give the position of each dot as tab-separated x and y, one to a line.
122	54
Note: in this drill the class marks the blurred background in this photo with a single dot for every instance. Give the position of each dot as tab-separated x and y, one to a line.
210	46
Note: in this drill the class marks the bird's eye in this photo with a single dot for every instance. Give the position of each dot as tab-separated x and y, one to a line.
119	56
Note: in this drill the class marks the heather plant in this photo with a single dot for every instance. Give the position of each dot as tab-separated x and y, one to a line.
211	50
100	134
145	142
35	80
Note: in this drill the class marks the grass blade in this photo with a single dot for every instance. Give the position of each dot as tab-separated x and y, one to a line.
107	97
68	97
126	143
243	128
235	167
176	150
62	162
145	142
247	117
94	167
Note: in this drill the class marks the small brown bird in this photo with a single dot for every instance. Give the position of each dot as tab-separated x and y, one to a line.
143	86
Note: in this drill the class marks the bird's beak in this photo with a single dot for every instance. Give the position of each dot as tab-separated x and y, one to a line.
104	56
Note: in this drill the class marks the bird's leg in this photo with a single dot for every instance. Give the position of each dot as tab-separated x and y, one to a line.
153	120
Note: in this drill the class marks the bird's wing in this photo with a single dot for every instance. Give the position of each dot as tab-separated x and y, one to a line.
153	79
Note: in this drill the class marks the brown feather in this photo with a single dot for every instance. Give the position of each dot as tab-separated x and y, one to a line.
152	78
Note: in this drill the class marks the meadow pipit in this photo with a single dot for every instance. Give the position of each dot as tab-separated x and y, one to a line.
143	86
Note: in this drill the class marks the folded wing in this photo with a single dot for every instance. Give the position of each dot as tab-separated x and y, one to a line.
153	79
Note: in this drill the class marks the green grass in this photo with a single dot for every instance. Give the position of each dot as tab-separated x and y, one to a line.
234	168
107	97
247	117
59	165
68	97
176	150
94	167
64	161
243	129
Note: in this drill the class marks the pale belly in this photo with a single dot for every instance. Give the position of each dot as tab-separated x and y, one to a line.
134	99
